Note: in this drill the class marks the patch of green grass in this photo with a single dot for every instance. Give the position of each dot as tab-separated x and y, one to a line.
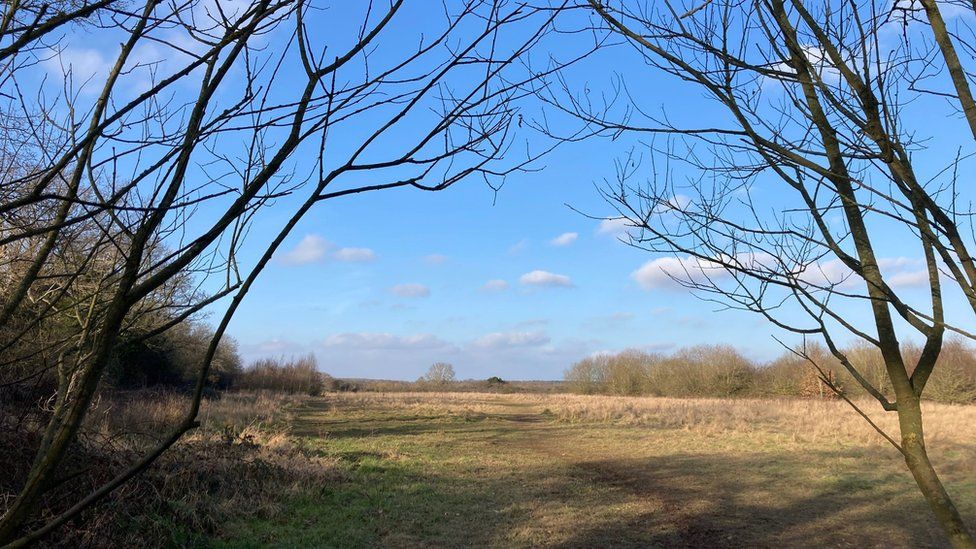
406	479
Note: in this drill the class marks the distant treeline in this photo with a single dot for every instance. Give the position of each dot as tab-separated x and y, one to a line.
699	371
492	384
722	371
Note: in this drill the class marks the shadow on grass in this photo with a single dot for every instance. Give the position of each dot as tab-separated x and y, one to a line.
730	501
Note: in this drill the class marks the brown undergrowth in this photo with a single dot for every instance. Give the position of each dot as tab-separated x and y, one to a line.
241	462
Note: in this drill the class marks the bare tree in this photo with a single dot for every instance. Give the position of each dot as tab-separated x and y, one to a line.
129	187
786	203
439	373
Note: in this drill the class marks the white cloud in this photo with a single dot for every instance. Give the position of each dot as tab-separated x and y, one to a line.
310	248
614	226
661	273
435	259
545	279
504	340
564	239
899	272
411	290
909	279
354	255
84	64
495	285
366	341
829	273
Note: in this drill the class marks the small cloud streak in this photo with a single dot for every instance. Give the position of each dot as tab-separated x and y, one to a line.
506	340
614	226
610	321
435	259
545	279
564	239
271	347
369	341
671	272
519	247
495	285
355	255
411	290
310	248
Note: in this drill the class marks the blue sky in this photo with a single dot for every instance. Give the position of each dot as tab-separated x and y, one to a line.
515	283
449	276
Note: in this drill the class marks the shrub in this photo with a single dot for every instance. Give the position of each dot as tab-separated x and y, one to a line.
343	386
586	377
298	376
954	377
173	359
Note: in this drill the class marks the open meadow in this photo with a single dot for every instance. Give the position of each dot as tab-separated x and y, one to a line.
326	273
482	469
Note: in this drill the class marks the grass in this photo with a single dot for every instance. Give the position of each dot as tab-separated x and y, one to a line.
498	470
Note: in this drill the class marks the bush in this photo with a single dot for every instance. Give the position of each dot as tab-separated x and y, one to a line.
298	376
703	370
586	377
954	378
173	359
706	370
343	386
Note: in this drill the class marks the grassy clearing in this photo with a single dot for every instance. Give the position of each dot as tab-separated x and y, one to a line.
570	471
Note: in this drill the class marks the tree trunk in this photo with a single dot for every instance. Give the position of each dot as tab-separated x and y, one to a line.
917	459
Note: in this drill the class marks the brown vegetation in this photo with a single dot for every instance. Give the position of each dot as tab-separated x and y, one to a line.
240	463
296	376
722	371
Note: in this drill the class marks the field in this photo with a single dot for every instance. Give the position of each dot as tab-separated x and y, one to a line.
453	469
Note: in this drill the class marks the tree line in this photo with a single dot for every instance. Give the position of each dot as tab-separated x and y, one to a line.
722	371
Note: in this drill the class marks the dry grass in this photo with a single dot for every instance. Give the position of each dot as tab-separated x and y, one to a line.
801	420
241	462
447	469
832	422
503	470
145	413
